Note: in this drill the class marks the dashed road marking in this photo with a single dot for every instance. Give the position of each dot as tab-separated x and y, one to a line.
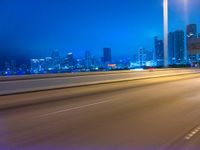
101	101
192	133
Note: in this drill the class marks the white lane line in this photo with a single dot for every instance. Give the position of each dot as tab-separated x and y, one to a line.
192	133
102	101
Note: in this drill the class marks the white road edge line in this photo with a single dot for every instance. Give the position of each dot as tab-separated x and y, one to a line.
102	101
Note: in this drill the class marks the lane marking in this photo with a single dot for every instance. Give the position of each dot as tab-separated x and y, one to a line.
102	101
192	133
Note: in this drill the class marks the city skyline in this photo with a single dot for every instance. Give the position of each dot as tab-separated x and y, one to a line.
71	27
181	44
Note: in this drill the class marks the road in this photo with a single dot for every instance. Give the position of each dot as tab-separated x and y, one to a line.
10	85
149	114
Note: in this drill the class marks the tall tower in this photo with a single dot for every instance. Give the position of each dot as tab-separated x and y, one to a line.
176	48
142	57
171	51
193	43
191	31
88	60
55	54
179	47
70	60
159	52
191	34
107	57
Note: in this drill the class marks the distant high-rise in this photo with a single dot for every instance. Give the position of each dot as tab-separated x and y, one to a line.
107	57
191	35
70	56
191	31
70	60
159	52
179	48
142	57
56	59
55	54
7	66
88	60
176	48
35	65
171	51
13	65
193	43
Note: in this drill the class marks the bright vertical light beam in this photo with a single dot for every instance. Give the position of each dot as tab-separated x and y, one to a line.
186	11
165	10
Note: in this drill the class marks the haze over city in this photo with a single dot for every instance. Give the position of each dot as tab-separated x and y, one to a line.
32	29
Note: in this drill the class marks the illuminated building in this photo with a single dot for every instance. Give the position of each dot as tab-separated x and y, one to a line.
193	43
88	60
158	52
107	57
176	49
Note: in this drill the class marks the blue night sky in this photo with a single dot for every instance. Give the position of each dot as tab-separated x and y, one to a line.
33	28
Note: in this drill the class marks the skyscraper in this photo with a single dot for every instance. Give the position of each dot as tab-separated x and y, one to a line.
171	51
176	48
88	60
107	57
179	48
191	31
159	52
142	57
13	65
70	61
55	54
193	43
56	59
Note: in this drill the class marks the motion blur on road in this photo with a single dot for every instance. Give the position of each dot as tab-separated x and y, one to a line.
148	114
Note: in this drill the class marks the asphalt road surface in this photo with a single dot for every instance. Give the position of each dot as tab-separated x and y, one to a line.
150	114
8	85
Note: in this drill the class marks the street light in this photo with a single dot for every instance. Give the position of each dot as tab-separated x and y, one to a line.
165	13
165	10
